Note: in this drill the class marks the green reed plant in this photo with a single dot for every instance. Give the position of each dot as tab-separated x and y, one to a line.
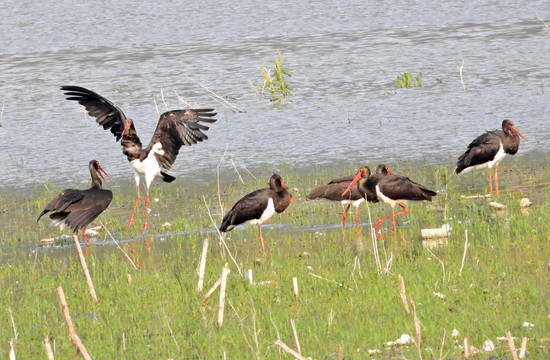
404	80
279	88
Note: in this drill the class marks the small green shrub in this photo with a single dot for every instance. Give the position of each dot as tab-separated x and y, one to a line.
404	80
279	88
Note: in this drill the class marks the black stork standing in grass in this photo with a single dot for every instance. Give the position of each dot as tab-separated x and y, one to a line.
391	189
174	129
75	208
489	149
259	206
334	189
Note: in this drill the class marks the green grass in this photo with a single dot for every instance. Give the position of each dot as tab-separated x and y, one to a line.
504	282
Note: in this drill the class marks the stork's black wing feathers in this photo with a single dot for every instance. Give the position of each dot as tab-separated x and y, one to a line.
105	112
178	128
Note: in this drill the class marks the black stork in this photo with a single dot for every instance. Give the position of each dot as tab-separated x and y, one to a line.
174	129
75	208
333	191
489	149
391	189
259	206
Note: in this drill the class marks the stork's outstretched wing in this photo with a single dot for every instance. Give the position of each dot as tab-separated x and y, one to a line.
177	128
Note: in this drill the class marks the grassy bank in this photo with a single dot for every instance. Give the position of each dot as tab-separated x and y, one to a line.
347	302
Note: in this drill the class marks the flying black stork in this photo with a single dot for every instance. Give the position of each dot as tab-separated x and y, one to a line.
259	206
489	149
333	191
75	208
174	129
391	189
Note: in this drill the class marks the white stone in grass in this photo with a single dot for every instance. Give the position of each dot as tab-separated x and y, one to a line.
403	339
488	346
91	232
156	200
455	333
527	324
439	295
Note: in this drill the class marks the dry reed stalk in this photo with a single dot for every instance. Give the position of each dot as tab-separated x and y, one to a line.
293	324
12	350
223	285
85	268
216	96
417	330
202	265
523	348
466	351
15	333
403	294
295	287
212	289
129	278
461	80
123	342
236	170
48	347
75	339
172	333
511	345
118	246
466	246
221	236
283	346
341	353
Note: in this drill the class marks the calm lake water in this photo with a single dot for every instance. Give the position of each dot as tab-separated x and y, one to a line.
344	58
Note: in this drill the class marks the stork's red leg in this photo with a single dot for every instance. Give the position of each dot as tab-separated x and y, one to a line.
490	182
356	219
145	226
405	210
261	239
85	237
130	223
496	179
344	215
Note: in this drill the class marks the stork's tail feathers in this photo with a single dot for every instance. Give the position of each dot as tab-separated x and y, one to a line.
167	178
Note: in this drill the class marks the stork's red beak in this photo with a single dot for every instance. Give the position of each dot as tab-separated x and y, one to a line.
513	128
293	199
100	171
126	127
388	171
354	181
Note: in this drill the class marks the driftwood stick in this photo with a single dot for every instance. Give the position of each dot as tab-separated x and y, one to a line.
466	350
511	345
212	289
202	265
523	348
403	294
48	347
341	353
223	285
295	287
85	268
76	341
283	346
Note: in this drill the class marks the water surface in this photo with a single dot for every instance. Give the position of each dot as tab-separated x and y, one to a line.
344	58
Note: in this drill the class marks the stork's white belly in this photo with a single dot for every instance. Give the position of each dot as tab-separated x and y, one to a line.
268	213
355	203
501	154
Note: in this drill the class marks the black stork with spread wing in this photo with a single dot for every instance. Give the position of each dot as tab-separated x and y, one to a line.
175	129
333	191
259	206
489	149
391	189
75	208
